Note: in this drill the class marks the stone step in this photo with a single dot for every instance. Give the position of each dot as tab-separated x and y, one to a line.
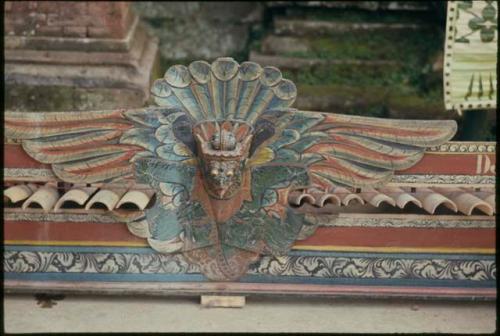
363	5
359	49
297	63
369	101
299	27
362	45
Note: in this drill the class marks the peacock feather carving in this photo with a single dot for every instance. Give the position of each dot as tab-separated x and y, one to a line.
223	149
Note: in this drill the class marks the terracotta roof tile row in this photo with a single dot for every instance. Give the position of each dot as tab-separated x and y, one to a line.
50	198
459	200
463	200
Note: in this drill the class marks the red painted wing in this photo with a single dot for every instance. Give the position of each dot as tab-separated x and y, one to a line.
351	150
89	147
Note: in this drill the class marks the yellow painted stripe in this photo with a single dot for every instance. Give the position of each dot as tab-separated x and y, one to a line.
76	243
299	247
396	249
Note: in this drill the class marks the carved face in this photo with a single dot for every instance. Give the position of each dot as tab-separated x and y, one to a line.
222	152
222	178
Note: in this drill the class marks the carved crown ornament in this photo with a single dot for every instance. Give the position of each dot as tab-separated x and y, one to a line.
223	149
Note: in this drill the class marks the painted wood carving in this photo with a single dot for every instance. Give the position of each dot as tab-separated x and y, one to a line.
223	150
470	64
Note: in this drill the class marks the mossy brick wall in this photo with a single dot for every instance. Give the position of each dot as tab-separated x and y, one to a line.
94	19
190	31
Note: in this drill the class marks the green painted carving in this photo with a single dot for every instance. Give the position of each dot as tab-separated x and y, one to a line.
223	150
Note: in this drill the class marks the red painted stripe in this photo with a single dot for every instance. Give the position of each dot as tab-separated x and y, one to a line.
452	164
431	163
16	157
324	236
402	237
66	231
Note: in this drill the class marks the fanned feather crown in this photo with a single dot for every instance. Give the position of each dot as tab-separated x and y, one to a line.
224	90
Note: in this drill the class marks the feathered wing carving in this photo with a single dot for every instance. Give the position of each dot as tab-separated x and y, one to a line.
353	151
154	145
161	146
90	147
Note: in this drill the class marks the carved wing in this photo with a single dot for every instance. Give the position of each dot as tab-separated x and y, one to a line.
340	150
90	147
154	144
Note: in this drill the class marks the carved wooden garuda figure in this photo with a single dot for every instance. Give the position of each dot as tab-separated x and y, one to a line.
223	150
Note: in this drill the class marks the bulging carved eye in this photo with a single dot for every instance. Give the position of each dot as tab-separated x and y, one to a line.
230	173
214	172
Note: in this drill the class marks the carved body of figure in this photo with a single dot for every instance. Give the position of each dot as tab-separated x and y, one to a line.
222	151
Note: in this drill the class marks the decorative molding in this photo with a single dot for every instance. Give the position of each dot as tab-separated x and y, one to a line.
377	268
444	179
31	173
45	174
464	147
55	262
347	267
58	217
344	220
355	221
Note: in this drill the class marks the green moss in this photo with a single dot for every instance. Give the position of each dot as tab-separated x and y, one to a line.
407	46
411	51
357	16
19	97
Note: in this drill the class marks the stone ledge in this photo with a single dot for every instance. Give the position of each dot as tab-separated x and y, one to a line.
296	63
60	57
120	82
296	27
74	44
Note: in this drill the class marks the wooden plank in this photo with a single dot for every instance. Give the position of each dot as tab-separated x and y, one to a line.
220	301
211	288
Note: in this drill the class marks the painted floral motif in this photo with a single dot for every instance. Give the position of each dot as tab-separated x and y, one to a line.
485	23
304	266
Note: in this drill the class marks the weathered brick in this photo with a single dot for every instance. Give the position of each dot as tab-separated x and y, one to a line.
8	6
99	8
73	9
38	17
49	31
75	31
32	4
72	18
53	19
49	6
19	6
9	28
98	32
119	10
112	15
18	20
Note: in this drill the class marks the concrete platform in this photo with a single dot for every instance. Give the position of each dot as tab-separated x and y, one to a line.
261	314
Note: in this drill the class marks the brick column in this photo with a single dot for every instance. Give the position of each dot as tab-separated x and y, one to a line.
76	55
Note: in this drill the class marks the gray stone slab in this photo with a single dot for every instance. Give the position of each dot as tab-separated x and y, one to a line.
260	314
